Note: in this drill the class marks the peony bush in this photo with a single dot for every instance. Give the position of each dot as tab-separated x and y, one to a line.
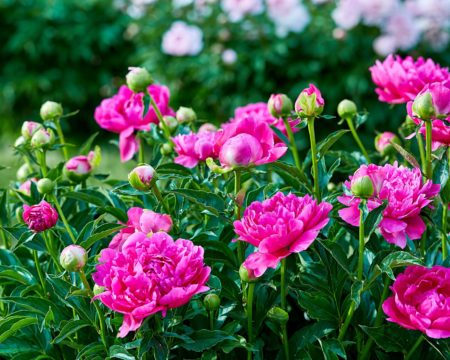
226	241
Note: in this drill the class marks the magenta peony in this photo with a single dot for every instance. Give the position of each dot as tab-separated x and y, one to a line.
192	148
248	141
421	301
40	217
406	196
400	80
149	275
280	226
123	114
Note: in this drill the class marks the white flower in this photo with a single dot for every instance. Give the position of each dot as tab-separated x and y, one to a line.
182	39
288	16
347	14
238	9
229	56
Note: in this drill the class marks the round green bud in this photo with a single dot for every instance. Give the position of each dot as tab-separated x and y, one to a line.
211	302
170	122
166	149
362	187
98	289
347	109
141	177
246	275
45	186
43	139
279	105
29	128
73	258
51	110
138	79
186	115
423	106
278	315
23	172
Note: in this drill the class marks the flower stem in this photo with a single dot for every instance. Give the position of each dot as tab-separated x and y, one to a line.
412	351
211	319
40	274
251	290
50	248
421	151
444	230
61	139
357	139
166	130
63	218
237	213
141	155
160	198
293	145
312	138
40	154
429	168
284	307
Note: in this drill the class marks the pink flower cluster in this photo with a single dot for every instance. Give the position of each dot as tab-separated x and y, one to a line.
148	275
400	80
278	227
141	220
124	114
421	301
406	196
40	217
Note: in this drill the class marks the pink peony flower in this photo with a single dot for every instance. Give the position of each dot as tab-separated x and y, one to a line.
400	80
123	114
149	275
287	16
151	222
248	141
182	40
421	301
280	226
40	217
194	147
238	9
406	196
26	186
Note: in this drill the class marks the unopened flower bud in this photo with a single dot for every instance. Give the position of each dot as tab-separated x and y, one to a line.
170	122
310	102
98	289
211	302
166	149
240	150
362	187
246	275
278	315
79	167
29	128
141	177
73	258
43	138
347	109
23	172
207	127
19	141
45	186
51	110
186	115
383	143
279	105
138	79
423	106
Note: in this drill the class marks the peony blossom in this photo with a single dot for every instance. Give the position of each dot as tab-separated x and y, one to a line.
123	114
182	40
149	275
288	16
421	301
238	9
400	80
406	196
383	142
40	217
280	226
246	142
195	147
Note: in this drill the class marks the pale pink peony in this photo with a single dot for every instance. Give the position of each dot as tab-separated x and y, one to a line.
182	40
40	217
421	301
287	16
280	226
151	222
124	114
238	9
195	147
406	196
400	80
248	141
383	141
149	275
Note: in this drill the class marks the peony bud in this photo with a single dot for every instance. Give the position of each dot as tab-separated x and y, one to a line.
186	115
73	258
279	105
78	168
166	149
19	141
362	187
23	172
40	217
207	127
240	150
347	109
383	143
310	102
141	177
246	275
278	315
51	110
43	138
171	123
98	289
29	128
211	302
138	79
423	106
45	186
25	187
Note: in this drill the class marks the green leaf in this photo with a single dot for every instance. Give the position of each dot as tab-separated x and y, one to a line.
90	196
308	335
326	144
391	338
17	274
373	220
206	339
87	145
119	352
398	259
9	328
317	305
70	328
441	172
173	170
100	233
332	348
406	155
209	201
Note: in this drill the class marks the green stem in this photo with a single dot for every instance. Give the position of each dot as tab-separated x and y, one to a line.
160	198
61	139
312	138
361	241
63	218
423	243
421	151
285	341
357	139
293	145
141	155
42	162
412	351
344	327
284	307
237	213
211	320
51	250
166	130
444	231
40	274
429	168
251	290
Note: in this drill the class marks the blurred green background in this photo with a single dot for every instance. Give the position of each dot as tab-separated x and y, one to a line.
77	53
